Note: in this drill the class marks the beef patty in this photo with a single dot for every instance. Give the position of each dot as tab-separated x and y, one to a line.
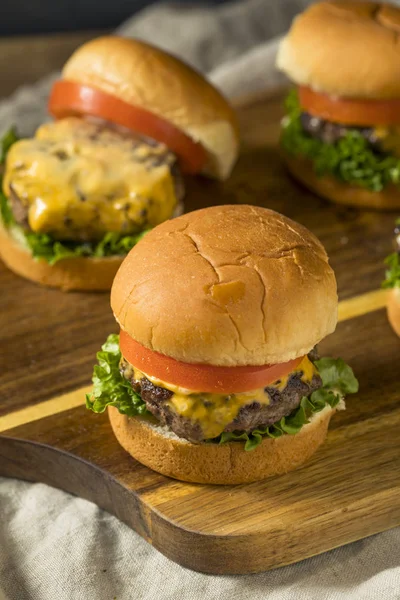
330	133
250	417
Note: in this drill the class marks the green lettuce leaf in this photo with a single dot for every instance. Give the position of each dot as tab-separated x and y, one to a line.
336	375
6	215
392	262
44	246
9	137
110	388
351	159
393	271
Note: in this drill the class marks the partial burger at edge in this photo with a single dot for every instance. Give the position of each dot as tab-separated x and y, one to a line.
392	282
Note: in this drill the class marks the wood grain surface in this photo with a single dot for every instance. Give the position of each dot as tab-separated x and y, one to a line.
349	490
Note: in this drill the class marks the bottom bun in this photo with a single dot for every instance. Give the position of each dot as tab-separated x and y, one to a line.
393	309
161	450
339	191
80	273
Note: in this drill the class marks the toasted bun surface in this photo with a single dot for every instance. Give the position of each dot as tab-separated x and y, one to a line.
227	285
226	464
345	48
393	309
81	273
149	78
339	191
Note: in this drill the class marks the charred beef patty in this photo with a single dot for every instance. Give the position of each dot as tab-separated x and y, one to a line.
330	133
283	402
250	416
19	210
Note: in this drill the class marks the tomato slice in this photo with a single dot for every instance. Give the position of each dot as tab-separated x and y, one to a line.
350	111
68	98
201	377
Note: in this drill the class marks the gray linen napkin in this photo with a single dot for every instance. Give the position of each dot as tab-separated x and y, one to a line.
57	547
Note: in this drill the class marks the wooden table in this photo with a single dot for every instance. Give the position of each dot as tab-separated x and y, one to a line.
48	341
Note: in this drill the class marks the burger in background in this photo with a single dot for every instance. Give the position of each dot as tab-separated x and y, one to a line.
392	282
341	133
129	119
215	376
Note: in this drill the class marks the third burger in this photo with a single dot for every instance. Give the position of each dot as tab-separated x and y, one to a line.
341	133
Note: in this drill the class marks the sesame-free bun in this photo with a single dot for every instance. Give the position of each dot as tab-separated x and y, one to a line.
338	191
227	285
149	78
393	309
345	48
161	450
80	273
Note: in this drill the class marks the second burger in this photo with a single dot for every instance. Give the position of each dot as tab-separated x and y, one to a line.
129	118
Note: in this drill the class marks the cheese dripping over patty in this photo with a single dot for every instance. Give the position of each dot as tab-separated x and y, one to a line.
213	412
78	180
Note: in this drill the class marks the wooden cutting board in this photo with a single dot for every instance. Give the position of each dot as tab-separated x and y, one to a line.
349	490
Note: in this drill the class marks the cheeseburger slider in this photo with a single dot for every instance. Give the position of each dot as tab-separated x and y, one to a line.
129	118
215	376
392	282
341	133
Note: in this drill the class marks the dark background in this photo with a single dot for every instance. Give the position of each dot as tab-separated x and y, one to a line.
44	16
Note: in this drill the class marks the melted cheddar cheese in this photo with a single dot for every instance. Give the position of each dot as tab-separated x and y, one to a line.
213	412
79	180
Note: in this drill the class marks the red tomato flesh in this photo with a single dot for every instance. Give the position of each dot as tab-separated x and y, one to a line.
202	377
350	111
68	98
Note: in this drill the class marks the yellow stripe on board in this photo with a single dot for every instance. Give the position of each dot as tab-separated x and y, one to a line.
348	309
363	304
44	409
